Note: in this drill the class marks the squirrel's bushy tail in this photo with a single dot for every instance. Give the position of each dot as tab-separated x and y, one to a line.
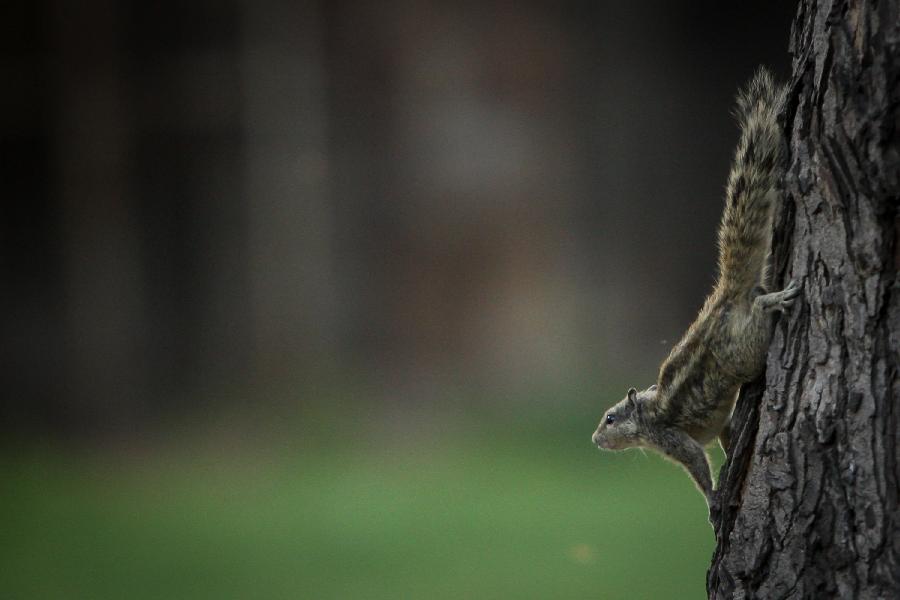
746	228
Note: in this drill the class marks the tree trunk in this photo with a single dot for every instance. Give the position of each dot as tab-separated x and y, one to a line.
809	493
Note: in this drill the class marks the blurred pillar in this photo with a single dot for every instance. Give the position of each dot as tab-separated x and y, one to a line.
184	85
290	226
101	270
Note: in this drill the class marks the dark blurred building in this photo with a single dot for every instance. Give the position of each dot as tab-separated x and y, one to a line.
208	194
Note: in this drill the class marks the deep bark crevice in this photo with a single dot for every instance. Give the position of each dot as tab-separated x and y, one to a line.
809	494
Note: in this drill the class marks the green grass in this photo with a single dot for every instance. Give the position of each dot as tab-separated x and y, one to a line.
466	514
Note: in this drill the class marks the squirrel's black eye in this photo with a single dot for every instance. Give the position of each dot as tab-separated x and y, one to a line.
610	419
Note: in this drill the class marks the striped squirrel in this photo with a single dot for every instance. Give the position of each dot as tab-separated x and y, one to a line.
726	345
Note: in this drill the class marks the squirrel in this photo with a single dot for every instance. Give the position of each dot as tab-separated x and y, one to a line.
692	401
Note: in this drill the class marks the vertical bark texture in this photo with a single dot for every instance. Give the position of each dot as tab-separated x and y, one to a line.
809	494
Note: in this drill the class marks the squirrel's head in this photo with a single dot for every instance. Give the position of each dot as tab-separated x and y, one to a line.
620	426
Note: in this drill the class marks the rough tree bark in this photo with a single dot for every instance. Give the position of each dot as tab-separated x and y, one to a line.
809	493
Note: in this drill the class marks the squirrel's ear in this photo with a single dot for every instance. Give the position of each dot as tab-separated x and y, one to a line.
632	395
652	388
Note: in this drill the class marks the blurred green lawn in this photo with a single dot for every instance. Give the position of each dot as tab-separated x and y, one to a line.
479	509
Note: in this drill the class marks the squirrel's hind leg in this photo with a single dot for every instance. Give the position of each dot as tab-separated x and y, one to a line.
779	300
745	352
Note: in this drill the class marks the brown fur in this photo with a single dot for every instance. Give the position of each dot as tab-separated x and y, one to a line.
725	346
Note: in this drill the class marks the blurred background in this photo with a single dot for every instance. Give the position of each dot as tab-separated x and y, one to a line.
324	299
